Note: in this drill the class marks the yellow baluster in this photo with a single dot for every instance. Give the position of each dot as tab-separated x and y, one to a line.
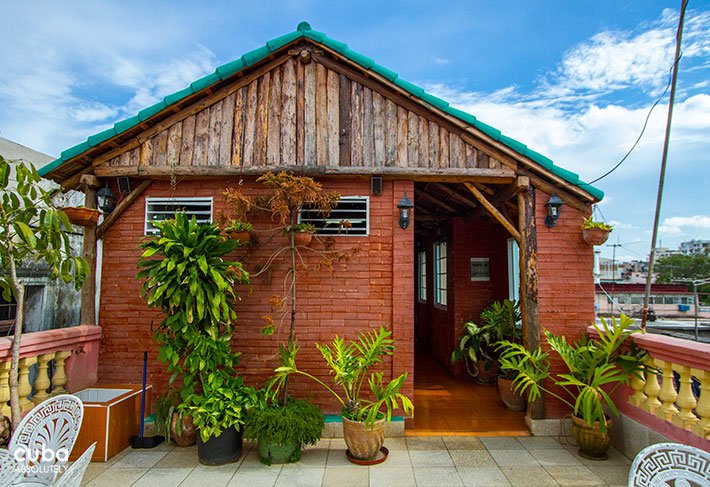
60	377
42	382
668	393
702	426
651	389
4	388
685	400
24	388
638	398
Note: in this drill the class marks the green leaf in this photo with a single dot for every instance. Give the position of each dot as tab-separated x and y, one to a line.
25	233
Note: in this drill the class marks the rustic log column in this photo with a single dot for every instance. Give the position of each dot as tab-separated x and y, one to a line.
528	281
87	314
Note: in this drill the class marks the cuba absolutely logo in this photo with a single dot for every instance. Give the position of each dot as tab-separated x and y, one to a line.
40	460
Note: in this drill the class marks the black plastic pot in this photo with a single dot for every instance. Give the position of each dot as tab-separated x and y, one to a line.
222	449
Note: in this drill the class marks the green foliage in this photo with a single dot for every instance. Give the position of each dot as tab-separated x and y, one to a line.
165	405
675	267
594	366
589	223
32	228
500	321
350	363
238	226
301	228
298	422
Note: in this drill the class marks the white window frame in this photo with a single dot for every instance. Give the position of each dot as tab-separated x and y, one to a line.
421	266
513	270
336	221
441	274
148	230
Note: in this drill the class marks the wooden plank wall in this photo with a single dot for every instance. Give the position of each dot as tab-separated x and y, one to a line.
307	115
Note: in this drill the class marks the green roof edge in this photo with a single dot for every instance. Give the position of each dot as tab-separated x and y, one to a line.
305	30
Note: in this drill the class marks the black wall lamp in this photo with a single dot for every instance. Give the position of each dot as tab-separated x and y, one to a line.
105	199
554	206
405	210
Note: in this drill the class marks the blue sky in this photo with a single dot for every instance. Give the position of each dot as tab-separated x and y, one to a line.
571	79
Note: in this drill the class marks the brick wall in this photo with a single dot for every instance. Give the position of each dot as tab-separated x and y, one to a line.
375	288
566	281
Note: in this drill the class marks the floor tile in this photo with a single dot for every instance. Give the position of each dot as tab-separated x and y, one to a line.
502	443
615	457
397	458
255	477
179	457
540	442
554	457
391	476
472	458
93	471
430	458
483	476
315	457
117	477
251	459
513	458
611	474
579	475
337	458
214	476
425	443
395	444
140	459
300	477
528	476
163	477
437	476
355	476
463	443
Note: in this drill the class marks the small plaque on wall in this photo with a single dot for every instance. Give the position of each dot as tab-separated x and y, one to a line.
480	269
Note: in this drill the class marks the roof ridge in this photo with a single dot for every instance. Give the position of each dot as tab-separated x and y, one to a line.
305	30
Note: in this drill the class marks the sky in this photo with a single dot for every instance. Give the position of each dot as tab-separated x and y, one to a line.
573	80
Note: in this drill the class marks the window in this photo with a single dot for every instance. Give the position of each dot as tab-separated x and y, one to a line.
7	316
421	264
159	209
513	270
440	274
355	210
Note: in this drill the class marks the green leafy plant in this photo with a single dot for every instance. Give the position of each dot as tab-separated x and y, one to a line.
589	223
500	321
31	228
238	226
298	422
301	228
164	407
350	364
596	367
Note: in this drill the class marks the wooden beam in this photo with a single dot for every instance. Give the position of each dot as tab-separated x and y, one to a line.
427	197
520	184
528	282
566	197
456	195
121	207
494	211
87	312
90	181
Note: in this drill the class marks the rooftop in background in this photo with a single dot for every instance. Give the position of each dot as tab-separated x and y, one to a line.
13	150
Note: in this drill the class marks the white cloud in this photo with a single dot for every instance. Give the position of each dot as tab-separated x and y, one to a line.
621	225
678	225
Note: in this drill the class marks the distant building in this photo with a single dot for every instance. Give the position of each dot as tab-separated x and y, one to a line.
667	300
665	252
694	247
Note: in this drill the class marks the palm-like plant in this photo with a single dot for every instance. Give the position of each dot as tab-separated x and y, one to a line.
349	364
596	368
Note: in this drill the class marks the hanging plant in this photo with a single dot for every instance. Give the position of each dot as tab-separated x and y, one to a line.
594	232
81	215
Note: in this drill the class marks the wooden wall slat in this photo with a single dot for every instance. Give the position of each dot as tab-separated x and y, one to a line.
238	127
470	158
187	140
262	119
368	129
250	124
402	136
174	142
122	160
321	117
423	142
146	153
378	113
413	139
344	120
357	125
333	109
433	145
215	132
199	153
482	159
273	138
391	133
288	114
134	158
227	129
300	114
309	113
160	144
456	151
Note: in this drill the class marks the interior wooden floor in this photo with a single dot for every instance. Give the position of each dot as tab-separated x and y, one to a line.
445	405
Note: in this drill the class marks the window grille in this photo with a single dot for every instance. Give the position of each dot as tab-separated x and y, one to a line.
159	209
351	216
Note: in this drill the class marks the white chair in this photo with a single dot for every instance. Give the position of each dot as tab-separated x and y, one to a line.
10	469
73	475
51	426
666	464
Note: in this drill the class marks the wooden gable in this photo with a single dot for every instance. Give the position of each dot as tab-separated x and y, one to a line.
307	111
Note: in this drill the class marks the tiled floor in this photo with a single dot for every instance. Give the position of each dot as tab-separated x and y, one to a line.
420	461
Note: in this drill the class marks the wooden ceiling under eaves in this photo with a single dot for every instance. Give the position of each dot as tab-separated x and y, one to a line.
308	112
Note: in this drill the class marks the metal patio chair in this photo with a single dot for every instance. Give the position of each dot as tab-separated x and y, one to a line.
73	475
10	469
670	464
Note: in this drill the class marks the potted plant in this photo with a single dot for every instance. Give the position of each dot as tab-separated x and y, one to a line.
172	423
282	430
594	232
302	233
595	366
364	413
81	215
239	230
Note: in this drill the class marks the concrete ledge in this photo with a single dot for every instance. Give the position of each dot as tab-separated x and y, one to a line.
333	427
549	427
630	436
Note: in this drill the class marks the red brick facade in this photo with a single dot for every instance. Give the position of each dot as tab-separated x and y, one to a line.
375	288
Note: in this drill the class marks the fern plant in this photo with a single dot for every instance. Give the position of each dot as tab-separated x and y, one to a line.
350	363
596	367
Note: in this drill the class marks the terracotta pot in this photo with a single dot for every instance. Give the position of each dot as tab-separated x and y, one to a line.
364	443
512	400
593	443
487	372
595	236
86	217
188	433
302	238
242	237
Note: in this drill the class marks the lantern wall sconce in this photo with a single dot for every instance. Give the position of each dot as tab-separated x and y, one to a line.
105	199
405	211
554	206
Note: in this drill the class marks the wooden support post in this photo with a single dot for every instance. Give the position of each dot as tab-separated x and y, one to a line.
121	207
494	211
87	313
528	282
